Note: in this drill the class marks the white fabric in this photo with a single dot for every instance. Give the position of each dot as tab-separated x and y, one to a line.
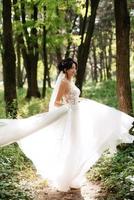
64	143
12	130
61	76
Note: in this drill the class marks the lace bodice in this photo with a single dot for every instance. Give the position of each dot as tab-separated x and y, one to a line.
73	96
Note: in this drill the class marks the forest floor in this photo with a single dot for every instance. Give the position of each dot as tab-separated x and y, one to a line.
89	191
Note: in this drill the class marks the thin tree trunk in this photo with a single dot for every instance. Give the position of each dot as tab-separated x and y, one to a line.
122	59
30	54
44	57
95	74
58	54
18	46
106	61
67	54
19	71
101	65
48	77
110	56
83	50
9	67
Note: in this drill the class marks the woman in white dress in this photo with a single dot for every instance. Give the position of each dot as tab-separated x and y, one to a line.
65	142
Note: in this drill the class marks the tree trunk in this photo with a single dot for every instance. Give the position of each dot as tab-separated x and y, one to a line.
95	74
30	54
106	61
122	59
58	54
19	71
101	65
18	46
9	67
68	51
110	55
44	57
48	78
83	50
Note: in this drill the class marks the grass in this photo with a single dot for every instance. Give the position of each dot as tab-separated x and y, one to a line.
116	173
12	162
103	92
28	108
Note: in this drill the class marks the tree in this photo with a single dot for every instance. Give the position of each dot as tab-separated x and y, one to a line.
30	50
83	50
122	59
18	35
9	66
45	59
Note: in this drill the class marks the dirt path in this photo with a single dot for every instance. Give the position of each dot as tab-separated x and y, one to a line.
89	191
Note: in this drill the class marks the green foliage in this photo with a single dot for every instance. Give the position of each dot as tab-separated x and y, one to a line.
34	106
2	105
116	173
104	92
12	162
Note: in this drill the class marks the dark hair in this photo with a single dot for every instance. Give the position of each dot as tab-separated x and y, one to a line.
66	64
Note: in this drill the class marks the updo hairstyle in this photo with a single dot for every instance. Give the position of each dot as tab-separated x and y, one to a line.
66	64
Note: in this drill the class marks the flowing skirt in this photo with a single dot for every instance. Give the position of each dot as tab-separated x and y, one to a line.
65	143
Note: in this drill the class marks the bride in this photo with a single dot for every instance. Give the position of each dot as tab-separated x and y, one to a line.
65	142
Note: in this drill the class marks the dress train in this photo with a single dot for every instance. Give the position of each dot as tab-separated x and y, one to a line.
66	142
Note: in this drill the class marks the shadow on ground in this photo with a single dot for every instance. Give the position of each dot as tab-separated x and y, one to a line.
56	195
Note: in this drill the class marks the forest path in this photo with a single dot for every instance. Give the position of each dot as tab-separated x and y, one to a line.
89	191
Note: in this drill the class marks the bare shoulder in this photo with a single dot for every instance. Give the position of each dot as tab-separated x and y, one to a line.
64	86
64	83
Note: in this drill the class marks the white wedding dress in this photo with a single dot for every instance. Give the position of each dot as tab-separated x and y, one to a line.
64	143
